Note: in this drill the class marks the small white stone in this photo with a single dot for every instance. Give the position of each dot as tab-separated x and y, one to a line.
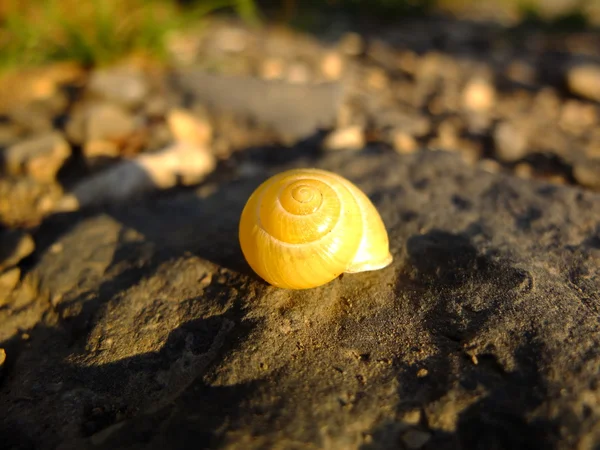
479	95
332	66
189	129
349	138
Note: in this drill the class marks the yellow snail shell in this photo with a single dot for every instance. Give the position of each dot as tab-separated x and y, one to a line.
304	227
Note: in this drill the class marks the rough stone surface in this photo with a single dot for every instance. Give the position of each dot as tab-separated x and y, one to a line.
157	335
8	281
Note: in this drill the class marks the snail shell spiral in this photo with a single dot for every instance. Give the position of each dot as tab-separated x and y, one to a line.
304	227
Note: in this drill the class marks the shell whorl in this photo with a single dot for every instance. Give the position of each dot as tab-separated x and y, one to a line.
303	228
298	210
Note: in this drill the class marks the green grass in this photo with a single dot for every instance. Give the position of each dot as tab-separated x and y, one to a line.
96	32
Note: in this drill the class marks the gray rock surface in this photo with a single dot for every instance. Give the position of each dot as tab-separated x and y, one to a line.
484	332
295	111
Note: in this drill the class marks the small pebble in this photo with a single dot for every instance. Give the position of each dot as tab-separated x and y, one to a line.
490	165
332	66
349	138
587	173
189	129
272	69
40	157
56	248
576	117
523	170
510	141
298	73
412	417
479	95
403	142
584	80
377	79
108	122
99	148
421	373
2	357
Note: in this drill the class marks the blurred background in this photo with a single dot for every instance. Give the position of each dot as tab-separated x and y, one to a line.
191	91
38	31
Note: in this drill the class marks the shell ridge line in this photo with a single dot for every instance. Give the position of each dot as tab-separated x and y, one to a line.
289	245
